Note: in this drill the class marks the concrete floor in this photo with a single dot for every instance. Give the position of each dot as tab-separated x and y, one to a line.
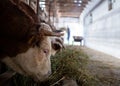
102	57
104	68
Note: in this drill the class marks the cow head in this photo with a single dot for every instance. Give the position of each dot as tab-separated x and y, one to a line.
29	47
35	62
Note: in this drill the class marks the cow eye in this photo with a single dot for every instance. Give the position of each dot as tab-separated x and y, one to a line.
46	51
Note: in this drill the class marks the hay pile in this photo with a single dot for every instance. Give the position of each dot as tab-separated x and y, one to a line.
70	63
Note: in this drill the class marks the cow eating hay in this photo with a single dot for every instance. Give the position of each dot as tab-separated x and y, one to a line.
26	43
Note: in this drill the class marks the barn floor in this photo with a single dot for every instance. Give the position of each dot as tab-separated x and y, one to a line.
105	67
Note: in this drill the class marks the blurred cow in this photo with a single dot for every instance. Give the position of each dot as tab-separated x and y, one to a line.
35	62
26	43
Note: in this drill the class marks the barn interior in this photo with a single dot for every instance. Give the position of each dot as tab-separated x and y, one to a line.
90	26
81	15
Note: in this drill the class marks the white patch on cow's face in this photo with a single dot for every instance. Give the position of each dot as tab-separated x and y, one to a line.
34	63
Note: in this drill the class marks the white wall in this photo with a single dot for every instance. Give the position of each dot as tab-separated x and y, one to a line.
103	33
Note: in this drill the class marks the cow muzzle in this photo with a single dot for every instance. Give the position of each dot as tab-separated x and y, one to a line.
39	78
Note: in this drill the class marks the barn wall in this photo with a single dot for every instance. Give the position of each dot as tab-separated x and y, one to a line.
62	22
102	27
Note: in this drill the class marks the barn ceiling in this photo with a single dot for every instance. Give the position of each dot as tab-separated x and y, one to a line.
64	8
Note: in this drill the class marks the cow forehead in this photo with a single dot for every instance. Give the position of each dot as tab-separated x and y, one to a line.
46	43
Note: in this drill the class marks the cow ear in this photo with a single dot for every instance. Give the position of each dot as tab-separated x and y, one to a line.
56	46
57	43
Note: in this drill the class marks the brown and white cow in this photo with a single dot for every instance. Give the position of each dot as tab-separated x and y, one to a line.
26	44
35	62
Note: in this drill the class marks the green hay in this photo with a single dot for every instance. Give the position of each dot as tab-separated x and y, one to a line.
70	63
